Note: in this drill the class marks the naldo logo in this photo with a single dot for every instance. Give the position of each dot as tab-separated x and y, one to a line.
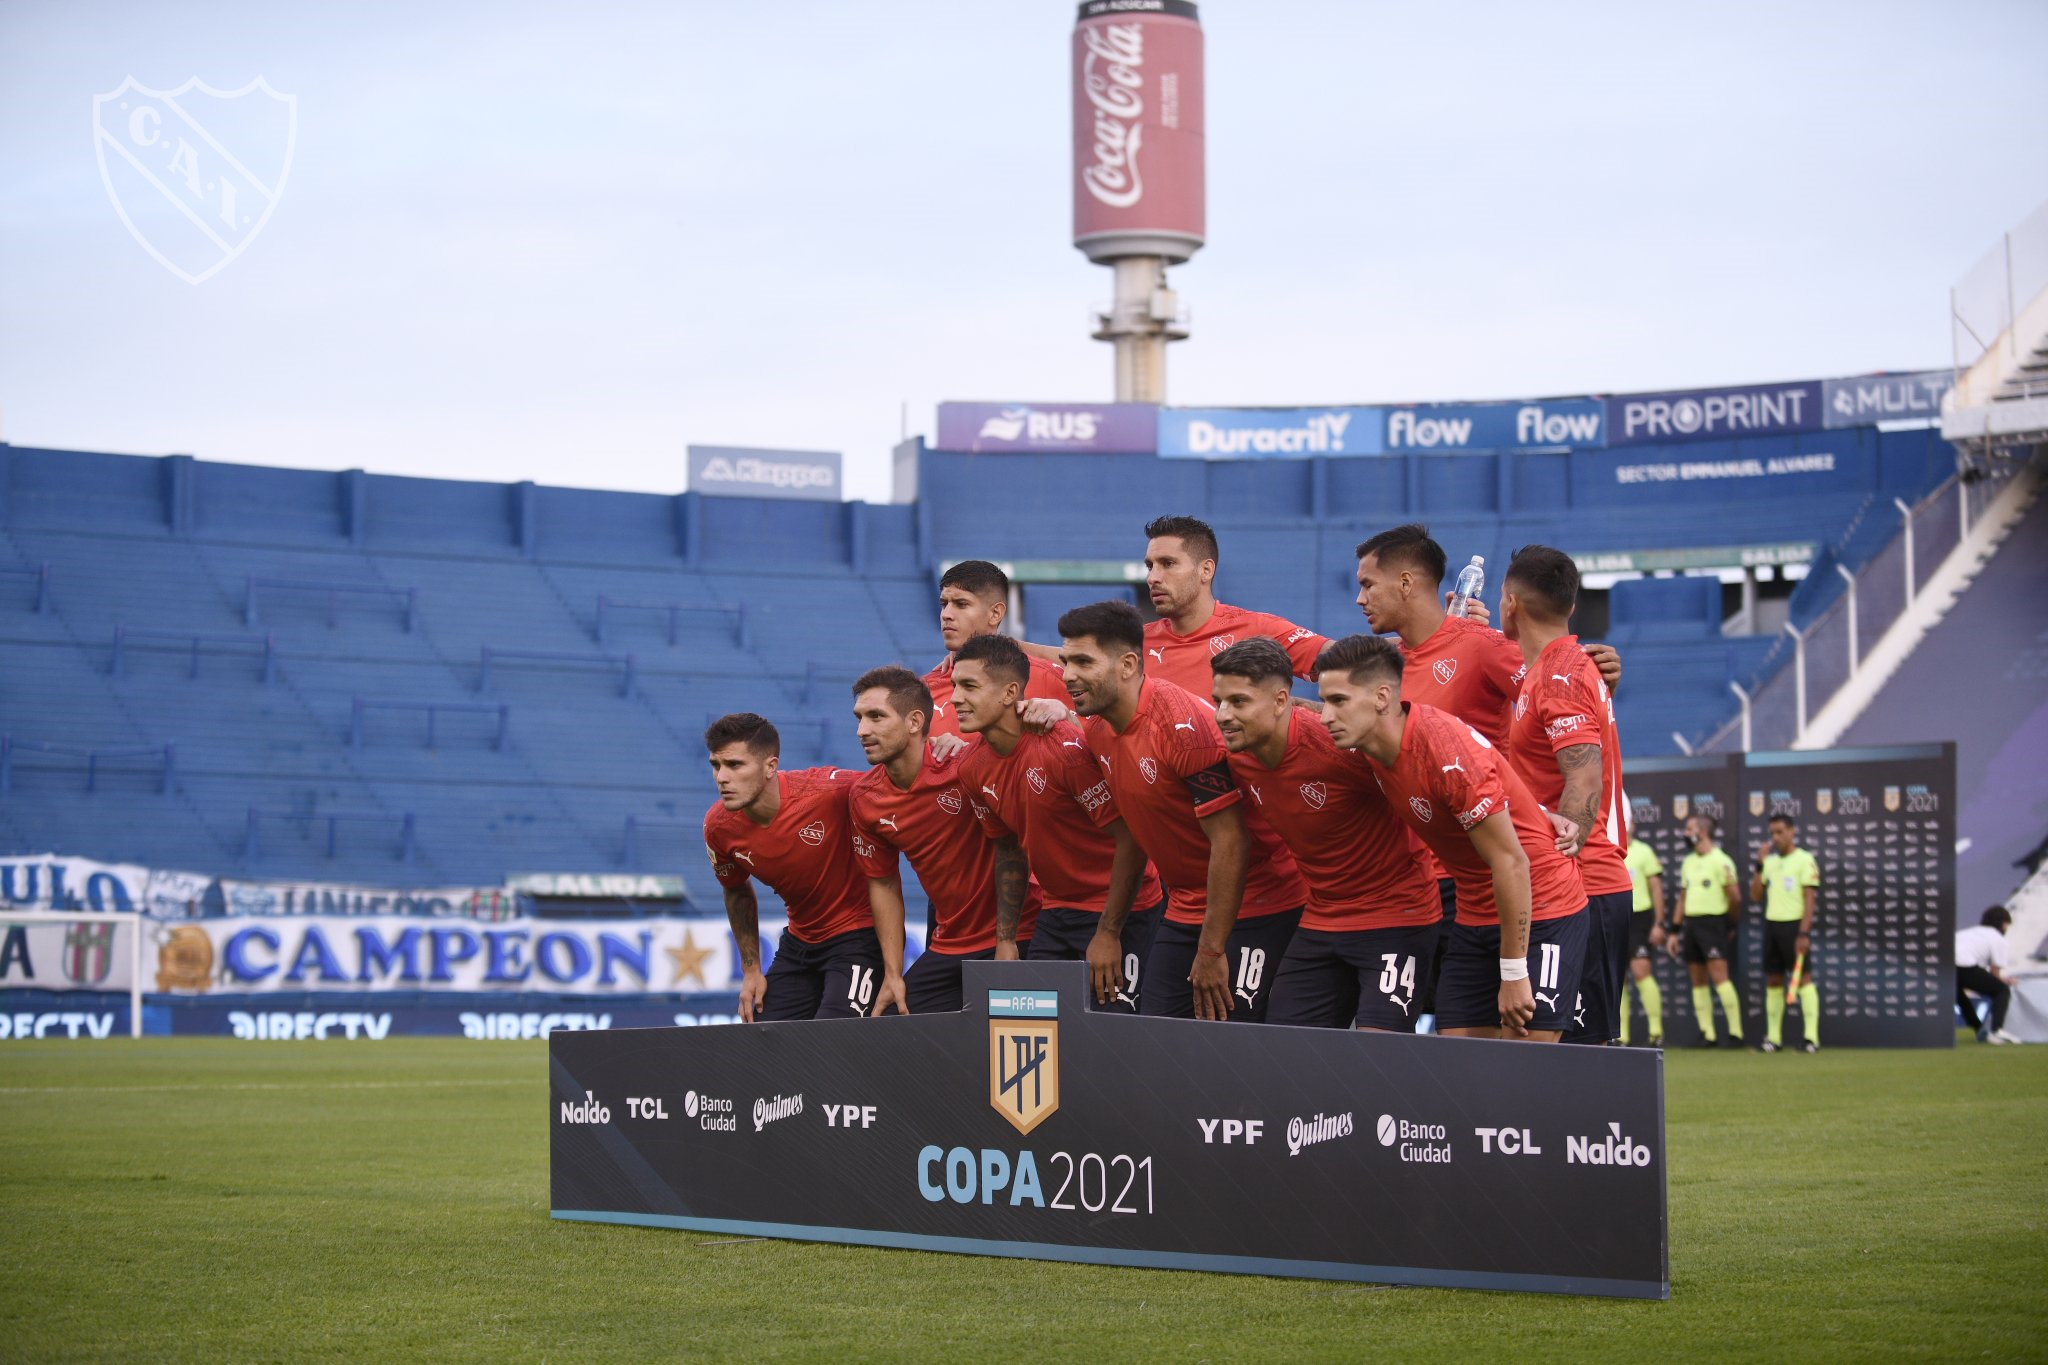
1615	1149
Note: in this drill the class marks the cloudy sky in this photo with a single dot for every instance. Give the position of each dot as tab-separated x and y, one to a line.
526	242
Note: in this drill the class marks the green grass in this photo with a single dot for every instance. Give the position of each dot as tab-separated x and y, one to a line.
205	1200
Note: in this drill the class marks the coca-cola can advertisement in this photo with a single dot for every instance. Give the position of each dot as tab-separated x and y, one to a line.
1138	155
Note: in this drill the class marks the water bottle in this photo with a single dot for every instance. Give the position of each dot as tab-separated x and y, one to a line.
1471	582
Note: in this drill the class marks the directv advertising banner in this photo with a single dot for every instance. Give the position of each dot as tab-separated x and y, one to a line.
740	472
1713	414
1269	433
1049	428
1875	398
1539	424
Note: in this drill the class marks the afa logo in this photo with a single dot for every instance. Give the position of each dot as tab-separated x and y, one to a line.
1024	1056
1680	807
1891	798
1756	803
1444	670
1824	800
813	833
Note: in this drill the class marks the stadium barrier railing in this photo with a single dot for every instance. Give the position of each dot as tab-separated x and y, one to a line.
675	612
493	655
125	635
407	822
40	575
165	754
361	705
258	588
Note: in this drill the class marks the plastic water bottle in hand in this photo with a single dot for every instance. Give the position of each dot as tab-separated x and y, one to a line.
1471	582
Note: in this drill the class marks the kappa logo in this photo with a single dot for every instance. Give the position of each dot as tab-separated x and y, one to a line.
813	833
1423	810
1149	769
195	172
1036	777
1219	643
1444	670
950	801
1024	1056
1315	793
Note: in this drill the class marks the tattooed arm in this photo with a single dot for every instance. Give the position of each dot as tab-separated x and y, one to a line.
1013	879
1580	803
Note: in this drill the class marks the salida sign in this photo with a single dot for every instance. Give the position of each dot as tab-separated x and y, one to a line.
1010	1129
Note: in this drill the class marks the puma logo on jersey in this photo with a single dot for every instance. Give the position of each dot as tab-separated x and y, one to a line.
1550	1000
993	799
1404	1004
1255	793
1249	1002
743	856
1564	678
1157	655
1457	765
889	822
1187	725
1072	744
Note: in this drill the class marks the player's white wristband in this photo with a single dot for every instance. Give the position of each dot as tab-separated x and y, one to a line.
1514	969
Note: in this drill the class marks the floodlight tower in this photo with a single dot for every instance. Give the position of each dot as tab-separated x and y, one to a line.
1138	173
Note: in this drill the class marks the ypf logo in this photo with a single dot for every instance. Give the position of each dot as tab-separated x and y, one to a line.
195	173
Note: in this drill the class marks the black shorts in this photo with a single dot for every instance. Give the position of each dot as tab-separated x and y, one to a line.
1468	993
1640	923
1370	977
835	979
1253	959
1063	935
1707	939
1425	995
931	985
1598	1018
1781	948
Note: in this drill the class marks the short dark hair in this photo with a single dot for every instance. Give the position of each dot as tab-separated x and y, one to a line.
1407	546
1114	622
1548	578
1997	917
1783	819
1198	534
1363	658
1260	659
758	733
1003	657
977	576
907	691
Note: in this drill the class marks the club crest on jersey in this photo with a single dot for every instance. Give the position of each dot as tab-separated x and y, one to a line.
1824	800
1444	670
1219	643
1024	1056
950	802
1315	793
1148	768
1521	705
1036	777
1423	810
813	833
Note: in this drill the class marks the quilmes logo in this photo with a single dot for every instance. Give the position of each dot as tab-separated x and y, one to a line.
1113	91
1024	1056
1307	1132
194	172
774	1110
1017	424
1615	1149
586	1111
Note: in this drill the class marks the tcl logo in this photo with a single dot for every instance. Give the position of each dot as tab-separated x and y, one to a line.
849	1116
1507	1141
647	1108
1228	1131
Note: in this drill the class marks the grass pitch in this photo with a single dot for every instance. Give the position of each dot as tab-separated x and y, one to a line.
205	1200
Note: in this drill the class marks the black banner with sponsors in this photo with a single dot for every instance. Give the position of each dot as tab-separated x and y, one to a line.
1027	1125
1881	824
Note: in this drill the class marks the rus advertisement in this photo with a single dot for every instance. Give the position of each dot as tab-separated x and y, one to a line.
1027	1125
1048	428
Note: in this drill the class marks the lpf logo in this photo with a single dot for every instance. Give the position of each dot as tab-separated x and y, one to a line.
194	172
1024	1056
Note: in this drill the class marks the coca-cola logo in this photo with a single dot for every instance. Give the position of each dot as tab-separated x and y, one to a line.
1113	90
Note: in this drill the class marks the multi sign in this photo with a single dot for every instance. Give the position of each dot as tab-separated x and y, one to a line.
1028	1125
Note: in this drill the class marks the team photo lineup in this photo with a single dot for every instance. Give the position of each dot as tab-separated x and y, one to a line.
1438	830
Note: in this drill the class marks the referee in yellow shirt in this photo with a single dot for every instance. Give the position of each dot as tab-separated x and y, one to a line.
1708	903
1787	881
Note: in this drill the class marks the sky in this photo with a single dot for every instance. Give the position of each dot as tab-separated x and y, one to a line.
563	243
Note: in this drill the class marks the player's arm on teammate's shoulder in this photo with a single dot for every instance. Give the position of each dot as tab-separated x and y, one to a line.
1106	948
1229	857
885	903
1495	840
1041	714
1607	661
1013	880
1049	653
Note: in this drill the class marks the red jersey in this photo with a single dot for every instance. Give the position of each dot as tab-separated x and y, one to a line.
1446	779
1471	671
1167	771
1049	792
1564	702
931	825
1183	660
1045	681
804	854
1360	864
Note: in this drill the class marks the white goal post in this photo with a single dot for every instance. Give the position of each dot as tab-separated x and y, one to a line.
136	925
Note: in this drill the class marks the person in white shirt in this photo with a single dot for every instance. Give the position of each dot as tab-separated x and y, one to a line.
1983	968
